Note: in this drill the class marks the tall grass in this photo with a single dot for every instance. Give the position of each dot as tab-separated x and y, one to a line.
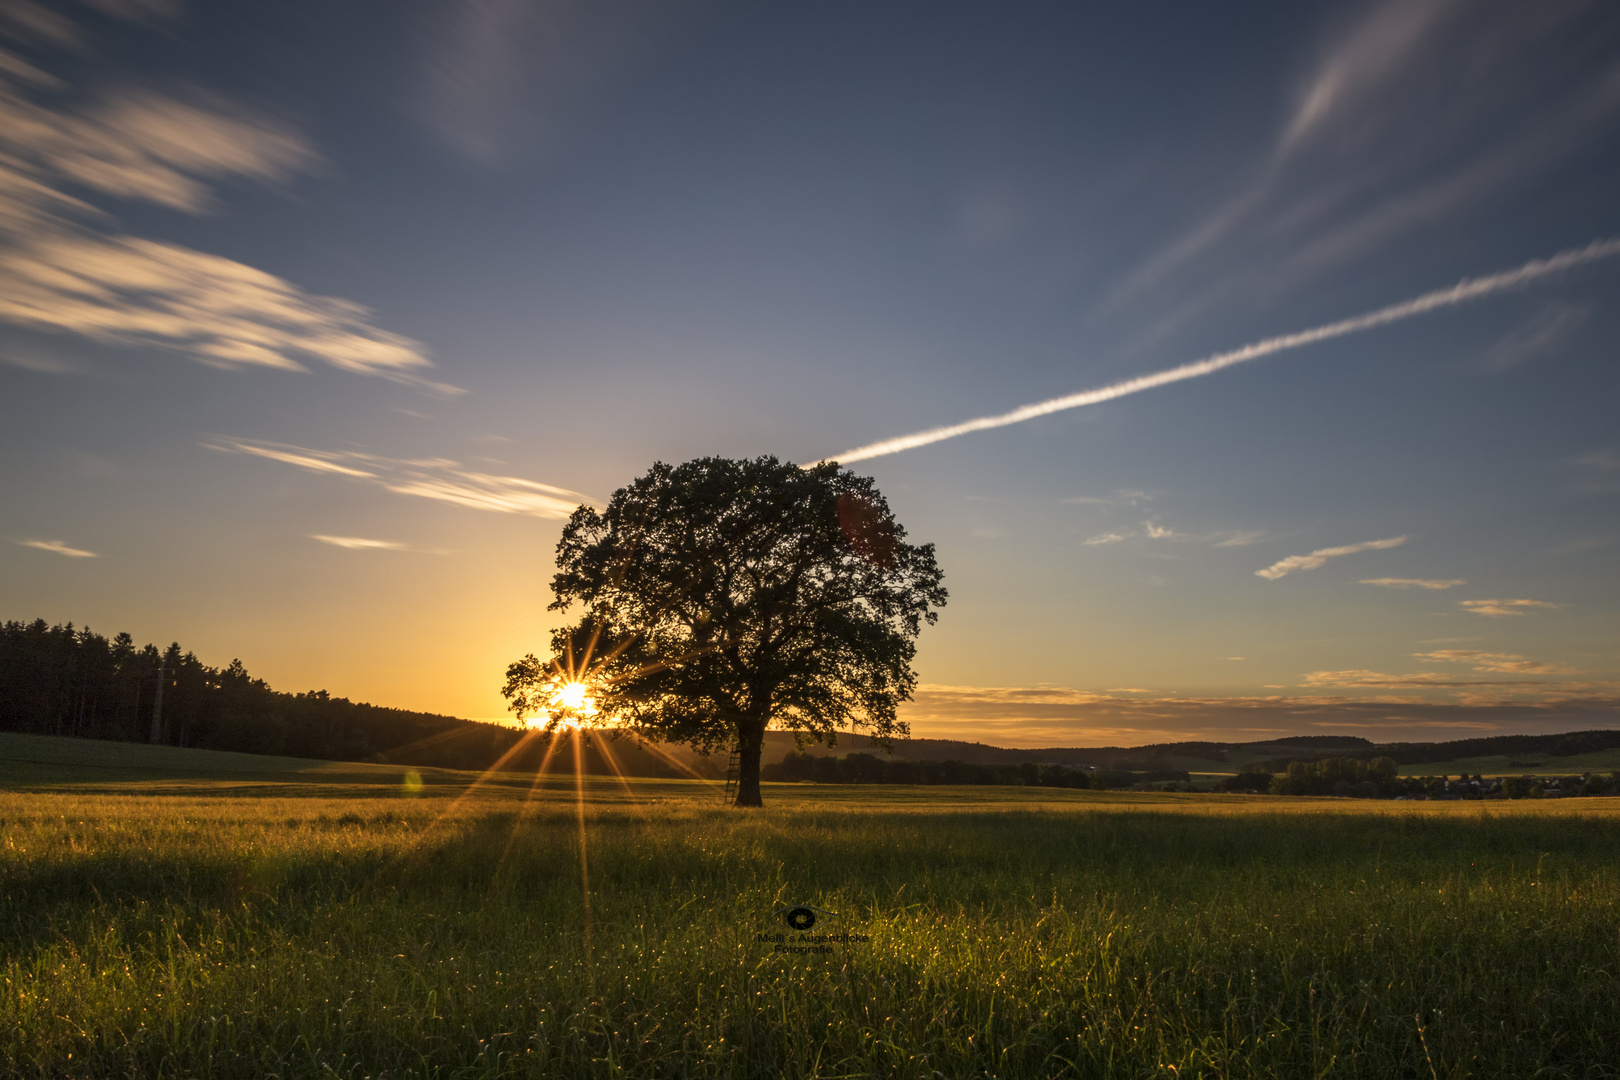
1082	935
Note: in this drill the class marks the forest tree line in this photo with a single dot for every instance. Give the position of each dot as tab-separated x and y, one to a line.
62	680
1379	778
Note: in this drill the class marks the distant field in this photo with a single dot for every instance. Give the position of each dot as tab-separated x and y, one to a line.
1522	764
310	919
42	760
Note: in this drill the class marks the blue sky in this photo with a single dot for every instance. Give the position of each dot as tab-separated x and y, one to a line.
315	318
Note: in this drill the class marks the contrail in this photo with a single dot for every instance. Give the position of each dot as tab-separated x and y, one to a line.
1463	291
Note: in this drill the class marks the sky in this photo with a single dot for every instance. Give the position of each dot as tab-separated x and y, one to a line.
1262	357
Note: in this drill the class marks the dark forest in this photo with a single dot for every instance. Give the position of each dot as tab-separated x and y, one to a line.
59	680
62	680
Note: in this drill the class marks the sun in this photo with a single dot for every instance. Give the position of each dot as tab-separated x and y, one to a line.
568	705
572	696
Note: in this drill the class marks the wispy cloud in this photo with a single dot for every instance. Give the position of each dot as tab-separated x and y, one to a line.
437	478
504	494
1600	460
1240	539
1152	530
1123	497
154	148
42	364
124	290
63	268
1284	567
1499	608
1016	696
1414	583
313	460
58	547
1510	663
1585	544
1597	472
1462	292
1551	327
1414	113
1361	677
505	74
359	543
1359	63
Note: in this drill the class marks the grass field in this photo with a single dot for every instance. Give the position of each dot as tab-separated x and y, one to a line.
174	916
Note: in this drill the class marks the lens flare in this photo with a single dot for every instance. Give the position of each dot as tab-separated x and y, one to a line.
571	695
568	705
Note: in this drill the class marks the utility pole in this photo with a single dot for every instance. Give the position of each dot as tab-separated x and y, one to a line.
157	707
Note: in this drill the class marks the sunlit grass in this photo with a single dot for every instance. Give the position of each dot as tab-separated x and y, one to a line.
1014	932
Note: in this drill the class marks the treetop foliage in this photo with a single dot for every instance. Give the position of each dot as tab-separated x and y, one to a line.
719	593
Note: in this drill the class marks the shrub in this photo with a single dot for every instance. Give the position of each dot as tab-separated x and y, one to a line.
1246	781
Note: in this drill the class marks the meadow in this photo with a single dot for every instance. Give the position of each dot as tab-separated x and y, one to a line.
175	915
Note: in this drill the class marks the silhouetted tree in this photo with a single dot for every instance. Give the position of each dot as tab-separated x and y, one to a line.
722	596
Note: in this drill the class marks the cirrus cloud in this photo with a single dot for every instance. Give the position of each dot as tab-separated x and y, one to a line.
65	269
1489	661
439	479
1414	583
1284	567
1361	677
1496	609
360	543
126	290
59	547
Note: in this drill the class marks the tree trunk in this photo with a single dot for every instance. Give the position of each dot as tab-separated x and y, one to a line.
750	740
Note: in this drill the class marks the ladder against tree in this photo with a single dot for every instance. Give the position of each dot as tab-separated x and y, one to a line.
733	774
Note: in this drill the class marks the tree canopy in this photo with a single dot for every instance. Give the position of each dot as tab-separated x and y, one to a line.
720	596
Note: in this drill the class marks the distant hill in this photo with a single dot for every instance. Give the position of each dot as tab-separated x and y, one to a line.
1147	757
1271	754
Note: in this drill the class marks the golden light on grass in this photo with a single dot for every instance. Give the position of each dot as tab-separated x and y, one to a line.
1357	922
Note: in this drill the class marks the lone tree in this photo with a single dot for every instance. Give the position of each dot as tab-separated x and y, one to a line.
720	597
